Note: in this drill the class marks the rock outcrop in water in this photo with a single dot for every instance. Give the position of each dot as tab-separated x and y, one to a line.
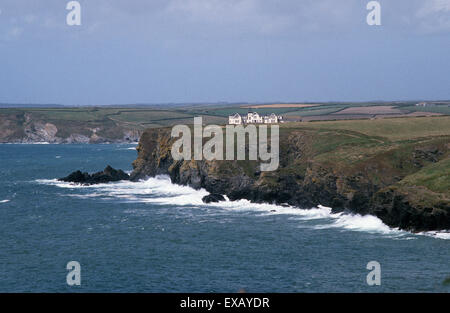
213	197
400	182
109	174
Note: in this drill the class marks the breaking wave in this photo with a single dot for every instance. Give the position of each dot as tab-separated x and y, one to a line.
160	191
131	148
437	234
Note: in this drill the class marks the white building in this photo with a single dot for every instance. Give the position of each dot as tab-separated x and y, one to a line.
272	119
424	104
235	119
254	118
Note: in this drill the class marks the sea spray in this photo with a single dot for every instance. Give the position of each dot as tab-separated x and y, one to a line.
160	190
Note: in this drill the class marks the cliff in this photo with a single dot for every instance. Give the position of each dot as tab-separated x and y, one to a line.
22	126
403	180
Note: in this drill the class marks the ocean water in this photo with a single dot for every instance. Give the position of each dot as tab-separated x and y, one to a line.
153	236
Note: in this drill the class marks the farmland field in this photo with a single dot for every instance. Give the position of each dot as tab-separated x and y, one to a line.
280	105
390	128
105	123
381	109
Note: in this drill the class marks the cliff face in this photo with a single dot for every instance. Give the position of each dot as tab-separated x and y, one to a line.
403	183
23	127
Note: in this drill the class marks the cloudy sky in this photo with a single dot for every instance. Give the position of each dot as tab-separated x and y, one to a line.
159	51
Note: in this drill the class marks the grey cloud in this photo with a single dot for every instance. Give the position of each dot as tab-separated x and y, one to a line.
434	16
218	18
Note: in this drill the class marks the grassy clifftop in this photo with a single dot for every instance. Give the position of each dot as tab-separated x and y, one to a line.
397	169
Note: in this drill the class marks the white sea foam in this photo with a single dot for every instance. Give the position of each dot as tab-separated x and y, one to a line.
273	209
157	190
367	223
58	183
160	191
131	148
355	222
437	234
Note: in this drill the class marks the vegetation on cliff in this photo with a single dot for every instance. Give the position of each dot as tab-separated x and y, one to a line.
397	169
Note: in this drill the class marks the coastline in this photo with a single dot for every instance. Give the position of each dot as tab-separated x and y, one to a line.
360	174
186	196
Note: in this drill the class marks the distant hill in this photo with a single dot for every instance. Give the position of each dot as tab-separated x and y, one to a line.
30	105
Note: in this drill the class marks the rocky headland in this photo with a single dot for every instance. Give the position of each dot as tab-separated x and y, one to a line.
403	181
19	126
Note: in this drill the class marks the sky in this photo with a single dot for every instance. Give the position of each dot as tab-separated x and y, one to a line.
166	51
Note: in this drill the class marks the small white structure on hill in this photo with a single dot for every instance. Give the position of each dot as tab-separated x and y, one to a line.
424	104
254	118
272	119
235	119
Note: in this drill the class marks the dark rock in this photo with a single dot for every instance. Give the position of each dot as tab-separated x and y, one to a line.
76	177
109	174
394	207
214	197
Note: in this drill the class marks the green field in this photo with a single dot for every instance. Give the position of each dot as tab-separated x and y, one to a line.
410	155
442	109
388	128
142	116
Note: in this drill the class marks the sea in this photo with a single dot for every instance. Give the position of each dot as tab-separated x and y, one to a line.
154	236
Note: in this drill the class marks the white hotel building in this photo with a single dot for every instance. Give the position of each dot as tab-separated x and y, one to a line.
254	118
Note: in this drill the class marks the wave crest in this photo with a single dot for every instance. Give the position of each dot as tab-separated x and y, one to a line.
160	190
